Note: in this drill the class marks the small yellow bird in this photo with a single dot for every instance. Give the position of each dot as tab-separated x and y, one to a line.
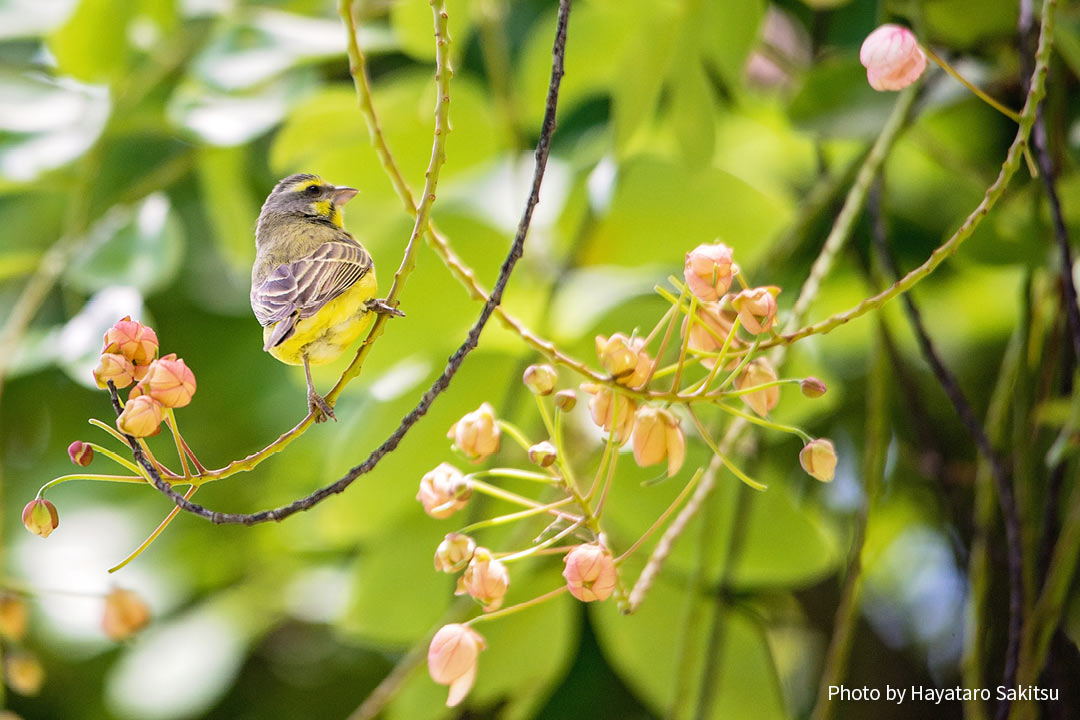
313	284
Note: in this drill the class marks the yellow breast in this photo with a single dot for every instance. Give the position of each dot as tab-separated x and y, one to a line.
329	332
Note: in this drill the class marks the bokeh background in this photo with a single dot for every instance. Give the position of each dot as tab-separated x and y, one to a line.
137	142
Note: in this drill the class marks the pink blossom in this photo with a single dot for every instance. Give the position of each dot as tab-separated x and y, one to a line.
892	58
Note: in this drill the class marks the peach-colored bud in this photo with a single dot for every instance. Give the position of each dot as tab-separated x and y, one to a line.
543	454
141	417
117	368
892	58
616	415
14	617
709	335
590	572
759	372
757	308
23	672
170	381
540	379
477	433
812	387
40	517
486	579
444	491
80	453
818	458
565	400
125	614
708	271
135	341
658	436
454	553
452	658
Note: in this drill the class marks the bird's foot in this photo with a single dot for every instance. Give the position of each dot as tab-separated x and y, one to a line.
380	306
318	407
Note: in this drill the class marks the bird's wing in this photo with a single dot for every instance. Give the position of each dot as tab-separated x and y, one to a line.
301	288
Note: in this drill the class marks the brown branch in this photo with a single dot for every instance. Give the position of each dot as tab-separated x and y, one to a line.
453	364
951	386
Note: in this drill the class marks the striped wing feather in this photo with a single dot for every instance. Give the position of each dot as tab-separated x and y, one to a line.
300	289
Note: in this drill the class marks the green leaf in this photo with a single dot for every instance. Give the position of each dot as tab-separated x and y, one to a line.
727	31
223	173
93	45
641	72
645	649
140	246
693	114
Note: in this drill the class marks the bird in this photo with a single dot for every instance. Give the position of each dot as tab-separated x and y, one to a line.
313	286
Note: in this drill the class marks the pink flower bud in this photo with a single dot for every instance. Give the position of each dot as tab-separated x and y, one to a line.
135	341
543	454
759	372
812	387
485	579
444	491
565	400
657	436
452	658
40	517
125	614
540	379
80	453
818	458
624	358
454	553
614	415
892	58
709	335
590	572
170	382
117	368
708	271
23	672
141	417
757	308
14	617
477	433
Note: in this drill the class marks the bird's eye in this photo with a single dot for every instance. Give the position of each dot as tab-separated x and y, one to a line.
312	190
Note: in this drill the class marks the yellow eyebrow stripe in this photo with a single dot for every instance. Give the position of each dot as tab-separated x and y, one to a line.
305	184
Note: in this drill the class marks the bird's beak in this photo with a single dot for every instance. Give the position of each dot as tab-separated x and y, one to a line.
343	195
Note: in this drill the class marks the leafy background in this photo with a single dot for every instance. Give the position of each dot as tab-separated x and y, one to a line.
137	141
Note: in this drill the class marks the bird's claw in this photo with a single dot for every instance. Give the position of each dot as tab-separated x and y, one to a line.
380	306
318	407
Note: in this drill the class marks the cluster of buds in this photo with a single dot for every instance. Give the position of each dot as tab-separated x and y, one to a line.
129	355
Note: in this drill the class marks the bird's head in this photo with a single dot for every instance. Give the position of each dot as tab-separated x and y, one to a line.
310	195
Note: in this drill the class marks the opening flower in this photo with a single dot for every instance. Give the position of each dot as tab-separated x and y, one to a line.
616	415
892	58
757	308
658	437
818	458
477	433
590	572
125	614
452	657
40	517
170	382
485	579
135	341
624	358
708	271
759	372
115	367
141	417
444	491
454	553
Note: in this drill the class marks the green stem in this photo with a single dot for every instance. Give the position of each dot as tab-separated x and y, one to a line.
157	531
519	607
754	419
515	432
517	475
683	494
1011	114
512	517
540	547
103	478
707	437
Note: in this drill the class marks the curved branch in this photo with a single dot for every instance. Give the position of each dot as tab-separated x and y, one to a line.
443	381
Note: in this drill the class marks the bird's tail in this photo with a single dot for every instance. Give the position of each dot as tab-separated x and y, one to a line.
281	332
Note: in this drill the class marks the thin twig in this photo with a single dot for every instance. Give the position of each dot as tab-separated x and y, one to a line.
453	364
1007	499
